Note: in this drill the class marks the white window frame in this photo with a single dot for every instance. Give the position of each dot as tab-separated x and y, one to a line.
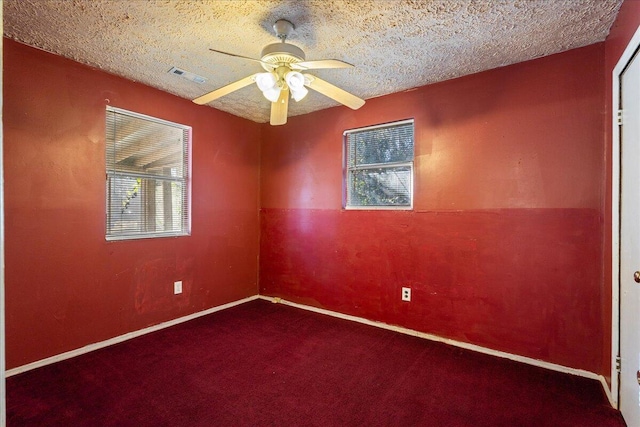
347	168
184	180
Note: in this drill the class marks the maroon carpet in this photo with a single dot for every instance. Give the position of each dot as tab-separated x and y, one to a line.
268	364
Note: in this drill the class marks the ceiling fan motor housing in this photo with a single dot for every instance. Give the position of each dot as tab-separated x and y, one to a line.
281	53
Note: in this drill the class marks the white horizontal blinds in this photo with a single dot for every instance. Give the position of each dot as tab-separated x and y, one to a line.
380	165
147	166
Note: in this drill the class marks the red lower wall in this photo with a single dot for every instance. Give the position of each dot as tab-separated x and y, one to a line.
66	286
517	280
504	246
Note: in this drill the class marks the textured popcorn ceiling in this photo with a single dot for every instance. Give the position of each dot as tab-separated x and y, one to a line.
395	45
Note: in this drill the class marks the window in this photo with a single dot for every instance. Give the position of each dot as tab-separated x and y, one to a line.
147	163
379	166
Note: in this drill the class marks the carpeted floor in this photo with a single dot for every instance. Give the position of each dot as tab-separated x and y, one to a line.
263	364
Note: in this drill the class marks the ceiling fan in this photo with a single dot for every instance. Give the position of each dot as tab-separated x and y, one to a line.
284	64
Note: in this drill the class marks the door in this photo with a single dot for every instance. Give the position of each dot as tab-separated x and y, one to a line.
629	385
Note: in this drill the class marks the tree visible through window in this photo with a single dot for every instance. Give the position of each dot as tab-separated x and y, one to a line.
379	166
147	176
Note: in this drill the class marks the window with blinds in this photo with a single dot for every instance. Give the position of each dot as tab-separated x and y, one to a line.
379	166
147	162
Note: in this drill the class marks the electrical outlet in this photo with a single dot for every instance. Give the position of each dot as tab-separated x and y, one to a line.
177	287
406	294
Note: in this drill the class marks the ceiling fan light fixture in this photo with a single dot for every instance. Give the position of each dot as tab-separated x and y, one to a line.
295	81
272	94
268	84
266	81
307	79
299	94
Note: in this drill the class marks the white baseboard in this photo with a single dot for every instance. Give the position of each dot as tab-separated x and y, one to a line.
607	390
406	331
473	347
121	338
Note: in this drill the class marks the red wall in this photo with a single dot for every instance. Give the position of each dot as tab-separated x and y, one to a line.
622	30
504	246
67	287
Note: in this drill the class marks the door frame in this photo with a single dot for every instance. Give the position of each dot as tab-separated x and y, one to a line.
627	55
3	389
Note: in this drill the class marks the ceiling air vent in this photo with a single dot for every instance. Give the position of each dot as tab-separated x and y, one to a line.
187	75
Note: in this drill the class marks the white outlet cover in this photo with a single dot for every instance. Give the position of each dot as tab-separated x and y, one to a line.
177	287
406	294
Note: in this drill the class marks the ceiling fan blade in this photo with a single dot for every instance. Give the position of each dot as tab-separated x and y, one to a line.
279	108
323	63
244	57
333	92
225	90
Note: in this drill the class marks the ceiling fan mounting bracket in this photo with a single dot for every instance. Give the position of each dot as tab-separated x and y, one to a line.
283	28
